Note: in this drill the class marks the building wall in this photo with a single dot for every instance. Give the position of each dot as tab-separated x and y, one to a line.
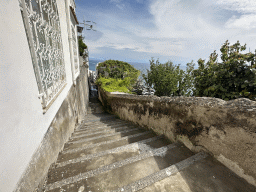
26	133
225	129
70	113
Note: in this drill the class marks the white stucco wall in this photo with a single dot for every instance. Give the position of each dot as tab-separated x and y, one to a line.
23	124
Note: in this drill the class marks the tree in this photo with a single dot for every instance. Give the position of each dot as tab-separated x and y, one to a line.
119	70
116	75
168	79
234	77
186	81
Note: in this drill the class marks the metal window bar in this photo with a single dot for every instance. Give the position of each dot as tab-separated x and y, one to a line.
42	26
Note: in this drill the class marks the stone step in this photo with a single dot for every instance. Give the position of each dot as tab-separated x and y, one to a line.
95	137
153	178
80	164
103	131
108	154
92	111
207	174
79	132
107	122
93	128
90	118
115	172
104	121
107	137
95	106
94	103
100	132
94	125
153	142
127	139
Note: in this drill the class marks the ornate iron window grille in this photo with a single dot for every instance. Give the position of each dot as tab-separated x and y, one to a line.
42	26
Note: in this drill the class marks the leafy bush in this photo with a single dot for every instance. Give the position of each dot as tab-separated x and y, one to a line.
168	79
113	85
117	75
82	46
119	70
230	79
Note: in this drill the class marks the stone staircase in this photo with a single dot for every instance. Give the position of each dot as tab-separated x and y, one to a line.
94	106
108	154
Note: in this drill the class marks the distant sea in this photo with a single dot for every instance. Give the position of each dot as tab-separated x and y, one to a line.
140	66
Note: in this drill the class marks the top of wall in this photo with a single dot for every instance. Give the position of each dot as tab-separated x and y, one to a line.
243	104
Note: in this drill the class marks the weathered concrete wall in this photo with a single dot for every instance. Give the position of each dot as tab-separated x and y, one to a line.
225	129
23	121
72	111
24	125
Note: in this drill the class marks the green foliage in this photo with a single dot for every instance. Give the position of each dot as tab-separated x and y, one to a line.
82	46
186	81
113	85
119	70
168	79
122	75
230	79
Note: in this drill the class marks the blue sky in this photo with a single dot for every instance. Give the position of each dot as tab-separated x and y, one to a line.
176	30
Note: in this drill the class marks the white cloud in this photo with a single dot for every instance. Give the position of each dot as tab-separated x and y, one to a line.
176	19
177	28
248	10
118	4
116	39
184	22
180	30
244	22
241	6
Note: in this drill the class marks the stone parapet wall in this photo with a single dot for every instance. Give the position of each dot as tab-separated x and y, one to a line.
225	129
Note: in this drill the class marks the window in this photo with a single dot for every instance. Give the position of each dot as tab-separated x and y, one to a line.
41	21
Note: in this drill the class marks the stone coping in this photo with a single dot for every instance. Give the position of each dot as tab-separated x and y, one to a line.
240	103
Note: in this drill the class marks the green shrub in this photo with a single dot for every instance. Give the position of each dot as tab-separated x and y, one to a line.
119	70
82	46
232	78
114	85
121	76
168	79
